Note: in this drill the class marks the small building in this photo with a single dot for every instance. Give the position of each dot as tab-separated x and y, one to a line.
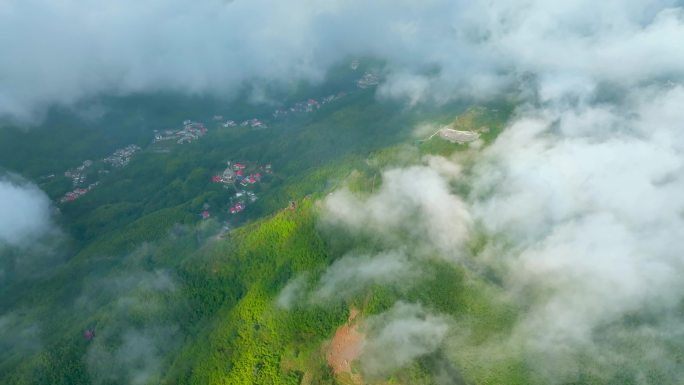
238	207
228	175
88	334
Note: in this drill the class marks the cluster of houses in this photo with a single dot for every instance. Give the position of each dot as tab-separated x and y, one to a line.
245	175
77	193
306	106
239	201
122	156
250	195
237	173
368	80
229	175
205	213
78	174
250	179
190	132
237	207
254	123
309	105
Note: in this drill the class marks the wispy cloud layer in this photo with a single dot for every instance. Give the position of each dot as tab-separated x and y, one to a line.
582	212
587	211
30	240
399	336
435	50
413	203
579	198
26	212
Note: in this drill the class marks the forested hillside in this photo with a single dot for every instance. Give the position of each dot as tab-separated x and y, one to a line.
140	289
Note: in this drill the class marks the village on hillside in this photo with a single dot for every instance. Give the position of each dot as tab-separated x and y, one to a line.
307	106
78	174
121	157
368	80
302	107
239	177
190	132
94	169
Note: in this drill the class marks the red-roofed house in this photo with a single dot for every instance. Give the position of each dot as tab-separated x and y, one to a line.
237	208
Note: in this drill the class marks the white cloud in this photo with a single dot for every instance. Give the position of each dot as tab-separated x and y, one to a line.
134	328
413	203
19	336
292	293
25	212
435	50
583	189
583	212
399	336
351	274
587	203
137	358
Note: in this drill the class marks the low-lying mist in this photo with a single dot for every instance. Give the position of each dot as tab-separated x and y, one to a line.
573	214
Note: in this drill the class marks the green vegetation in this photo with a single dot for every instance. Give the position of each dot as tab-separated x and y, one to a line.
246	340
189	306
489	122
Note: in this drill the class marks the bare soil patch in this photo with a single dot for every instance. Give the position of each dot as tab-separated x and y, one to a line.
345	346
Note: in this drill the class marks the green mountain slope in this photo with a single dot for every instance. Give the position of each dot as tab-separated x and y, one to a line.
169	301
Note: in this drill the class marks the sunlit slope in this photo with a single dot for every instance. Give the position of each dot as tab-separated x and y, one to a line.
203	309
